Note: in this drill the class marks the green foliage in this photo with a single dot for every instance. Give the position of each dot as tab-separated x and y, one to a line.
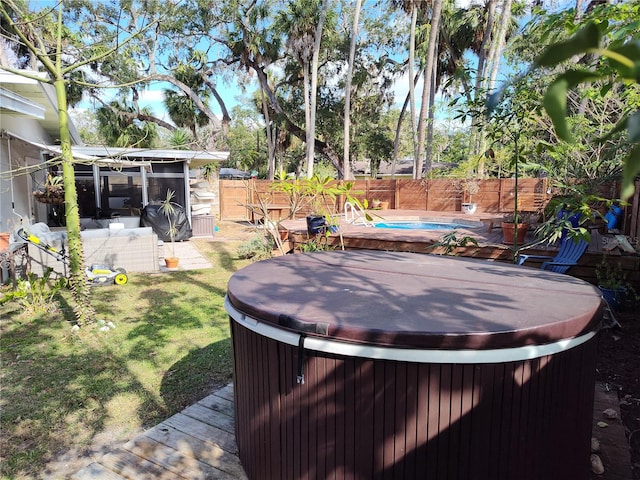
578	204
182	109
118	126
318	244
610	275
450	241
257	248
36	295
246	141
617	67
168	208
180	139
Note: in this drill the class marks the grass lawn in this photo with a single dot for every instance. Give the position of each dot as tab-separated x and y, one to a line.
66	396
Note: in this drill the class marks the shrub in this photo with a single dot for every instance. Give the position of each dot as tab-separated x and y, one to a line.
36	294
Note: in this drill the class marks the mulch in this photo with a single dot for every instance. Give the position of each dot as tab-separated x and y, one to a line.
619	368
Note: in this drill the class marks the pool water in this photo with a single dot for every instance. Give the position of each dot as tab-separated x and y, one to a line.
420	225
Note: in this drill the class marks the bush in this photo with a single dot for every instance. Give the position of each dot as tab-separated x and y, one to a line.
258	248
36	294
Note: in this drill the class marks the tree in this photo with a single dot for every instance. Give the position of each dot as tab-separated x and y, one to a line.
60	53
303	22
172	53
412	7
120	130
181	108
347	90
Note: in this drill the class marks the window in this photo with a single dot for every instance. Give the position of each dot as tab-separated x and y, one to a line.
121	192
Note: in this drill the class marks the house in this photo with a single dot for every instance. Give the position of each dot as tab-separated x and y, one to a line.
110	181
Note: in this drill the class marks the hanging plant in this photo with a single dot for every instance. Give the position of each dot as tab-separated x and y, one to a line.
53	191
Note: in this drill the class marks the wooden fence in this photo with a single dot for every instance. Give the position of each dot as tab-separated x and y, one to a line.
444	195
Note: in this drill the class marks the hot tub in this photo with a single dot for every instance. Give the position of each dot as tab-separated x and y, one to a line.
366	364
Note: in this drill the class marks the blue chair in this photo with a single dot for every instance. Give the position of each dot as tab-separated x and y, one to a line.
568	256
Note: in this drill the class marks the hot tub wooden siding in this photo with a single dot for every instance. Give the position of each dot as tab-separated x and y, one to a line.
356	418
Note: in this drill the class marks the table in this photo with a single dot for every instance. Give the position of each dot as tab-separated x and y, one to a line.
14	262
257	209
367	364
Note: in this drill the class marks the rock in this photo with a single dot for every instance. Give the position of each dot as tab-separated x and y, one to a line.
596	464
602	424
610	413
595	444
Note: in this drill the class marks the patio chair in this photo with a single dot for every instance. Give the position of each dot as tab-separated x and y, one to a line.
568	256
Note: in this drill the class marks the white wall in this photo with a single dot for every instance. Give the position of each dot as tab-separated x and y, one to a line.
16	184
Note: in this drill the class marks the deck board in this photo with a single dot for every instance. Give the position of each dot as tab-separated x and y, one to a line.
95	471
211	417
206	452
197	443
184	447
180	461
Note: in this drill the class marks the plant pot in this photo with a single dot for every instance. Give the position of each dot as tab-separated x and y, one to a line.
508	230
316	224
171	262
469	208
384	205
614	296
4	240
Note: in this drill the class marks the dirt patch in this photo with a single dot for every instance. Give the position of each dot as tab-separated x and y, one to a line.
619	368
230	231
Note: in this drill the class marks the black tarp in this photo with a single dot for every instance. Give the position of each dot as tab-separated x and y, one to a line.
153	217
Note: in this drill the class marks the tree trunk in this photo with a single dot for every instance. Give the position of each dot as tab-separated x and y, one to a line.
79	287
346	165
308	139
271	142
291	127
428	82
314	88
412	94
396	140
482	54
429	147
499	44
477	138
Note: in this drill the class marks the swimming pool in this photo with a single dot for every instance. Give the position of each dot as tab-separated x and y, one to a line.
426	225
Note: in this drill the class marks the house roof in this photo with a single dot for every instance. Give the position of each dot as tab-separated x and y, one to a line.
23	96
29	97
195	158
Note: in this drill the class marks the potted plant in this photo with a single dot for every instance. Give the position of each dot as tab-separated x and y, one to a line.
168	209
612	283
52	192
517	230
469	187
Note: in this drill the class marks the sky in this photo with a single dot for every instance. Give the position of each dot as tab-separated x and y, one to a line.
232	95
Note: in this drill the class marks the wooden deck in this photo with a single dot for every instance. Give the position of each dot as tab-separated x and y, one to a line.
197	443
490	242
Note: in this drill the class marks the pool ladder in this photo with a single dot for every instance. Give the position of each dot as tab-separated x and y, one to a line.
354	215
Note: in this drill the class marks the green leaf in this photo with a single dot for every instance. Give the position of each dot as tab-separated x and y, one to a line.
630	50
555	103
586	38
631	169
575	77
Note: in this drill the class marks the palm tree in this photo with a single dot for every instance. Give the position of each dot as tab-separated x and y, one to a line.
303	21
181	108
411	7
314	88
116	124
429	85
347	90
